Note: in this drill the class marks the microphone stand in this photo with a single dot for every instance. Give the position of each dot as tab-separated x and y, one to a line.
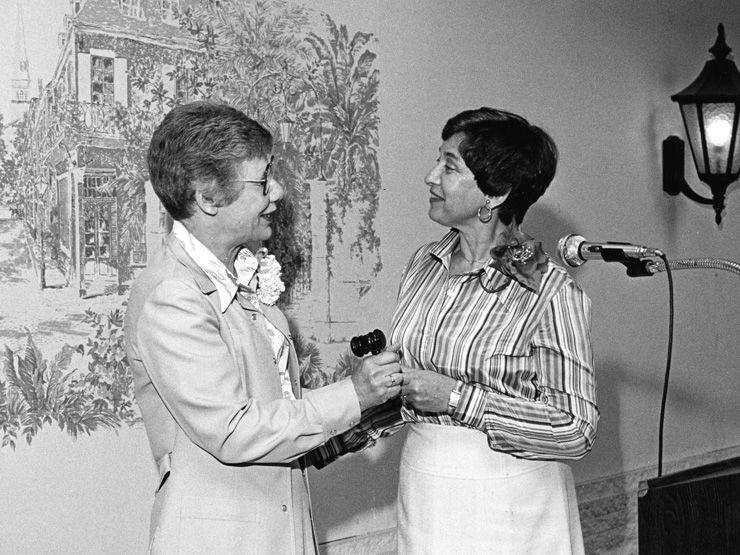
649	267
655	266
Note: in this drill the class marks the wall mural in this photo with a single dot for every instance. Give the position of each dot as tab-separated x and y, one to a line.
78	218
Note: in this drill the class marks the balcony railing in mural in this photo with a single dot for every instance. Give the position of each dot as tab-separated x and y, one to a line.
68	117
97	118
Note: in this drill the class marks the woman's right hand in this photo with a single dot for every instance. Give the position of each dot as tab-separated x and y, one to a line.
379	378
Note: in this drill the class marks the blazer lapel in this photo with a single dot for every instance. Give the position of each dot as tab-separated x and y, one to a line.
277	319
275	316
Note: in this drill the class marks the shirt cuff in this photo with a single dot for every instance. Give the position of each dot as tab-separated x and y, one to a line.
337	405
471	406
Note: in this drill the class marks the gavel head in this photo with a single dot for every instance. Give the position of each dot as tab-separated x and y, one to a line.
373	342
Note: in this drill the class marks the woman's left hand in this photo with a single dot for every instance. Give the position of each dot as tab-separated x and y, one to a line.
425	390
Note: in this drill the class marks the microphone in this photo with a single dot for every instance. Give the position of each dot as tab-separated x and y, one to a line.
574	250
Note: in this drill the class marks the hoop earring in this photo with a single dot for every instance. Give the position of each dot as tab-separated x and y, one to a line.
487	218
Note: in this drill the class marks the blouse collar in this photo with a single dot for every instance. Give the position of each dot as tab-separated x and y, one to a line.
516	256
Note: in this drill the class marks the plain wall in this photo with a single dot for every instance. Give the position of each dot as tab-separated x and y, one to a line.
598	77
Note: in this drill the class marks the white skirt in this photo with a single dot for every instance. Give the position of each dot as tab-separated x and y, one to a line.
457	495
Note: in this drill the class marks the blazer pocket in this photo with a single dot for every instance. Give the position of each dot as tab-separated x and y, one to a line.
214	525
215	508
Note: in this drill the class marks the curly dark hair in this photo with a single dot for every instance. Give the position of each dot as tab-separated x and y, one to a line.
506	154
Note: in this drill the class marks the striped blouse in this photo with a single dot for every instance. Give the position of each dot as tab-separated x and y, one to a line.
524	358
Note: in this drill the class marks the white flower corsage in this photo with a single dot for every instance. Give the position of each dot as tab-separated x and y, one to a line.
260	274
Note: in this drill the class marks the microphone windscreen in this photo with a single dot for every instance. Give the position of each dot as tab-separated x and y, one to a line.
569	250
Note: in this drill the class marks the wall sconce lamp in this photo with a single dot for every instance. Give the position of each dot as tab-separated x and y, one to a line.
710	107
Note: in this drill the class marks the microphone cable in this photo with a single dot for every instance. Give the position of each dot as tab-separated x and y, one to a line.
669	356
667	266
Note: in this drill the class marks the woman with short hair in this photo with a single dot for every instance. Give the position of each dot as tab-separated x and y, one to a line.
214	365
498	382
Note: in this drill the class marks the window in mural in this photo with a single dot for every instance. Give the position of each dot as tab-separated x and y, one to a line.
97	232
131	8
93	186
170	9
99	203
102	80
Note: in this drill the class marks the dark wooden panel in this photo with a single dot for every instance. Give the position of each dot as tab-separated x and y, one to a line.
696	511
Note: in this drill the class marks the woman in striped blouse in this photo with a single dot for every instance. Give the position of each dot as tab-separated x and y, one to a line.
498	381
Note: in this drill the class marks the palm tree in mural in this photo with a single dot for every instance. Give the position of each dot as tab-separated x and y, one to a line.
345	84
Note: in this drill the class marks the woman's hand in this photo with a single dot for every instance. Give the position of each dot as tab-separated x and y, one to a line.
427	391
378	379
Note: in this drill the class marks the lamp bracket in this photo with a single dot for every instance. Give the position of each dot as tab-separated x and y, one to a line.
674	180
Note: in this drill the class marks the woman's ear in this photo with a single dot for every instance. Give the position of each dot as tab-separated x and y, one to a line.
204	199
494	202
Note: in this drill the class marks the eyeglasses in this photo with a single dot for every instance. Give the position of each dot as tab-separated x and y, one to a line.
265	178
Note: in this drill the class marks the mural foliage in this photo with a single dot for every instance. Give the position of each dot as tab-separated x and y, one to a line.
314	85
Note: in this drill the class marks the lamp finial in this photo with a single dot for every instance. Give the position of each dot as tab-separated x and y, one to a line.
720	50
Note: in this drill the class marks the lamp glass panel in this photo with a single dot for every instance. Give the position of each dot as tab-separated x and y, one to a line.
718	118
690	115
736	153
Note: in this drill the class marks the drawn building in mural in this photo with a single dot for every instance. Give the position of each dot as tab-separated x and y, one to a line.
88	167
123	64
77	187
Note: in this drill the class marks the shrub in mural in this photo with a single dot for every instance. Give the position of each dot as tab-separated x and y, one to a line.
35	392
96	392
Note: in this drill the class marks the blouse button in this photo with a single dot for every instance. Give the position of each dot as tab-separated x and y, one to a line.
254	316
284	508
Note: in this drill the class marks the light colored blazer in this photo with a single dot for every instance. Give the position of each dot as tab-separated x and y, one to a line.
225	441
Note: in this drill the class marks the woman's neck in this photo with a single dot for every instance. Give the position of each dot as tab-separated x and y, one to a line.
475	245
213	240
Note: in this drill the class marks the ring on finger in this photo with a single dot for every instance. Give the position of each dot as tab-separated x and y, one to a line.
393	379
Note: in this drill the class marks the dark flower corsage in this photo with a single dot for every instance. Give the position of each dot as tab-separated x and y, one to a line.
520	257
